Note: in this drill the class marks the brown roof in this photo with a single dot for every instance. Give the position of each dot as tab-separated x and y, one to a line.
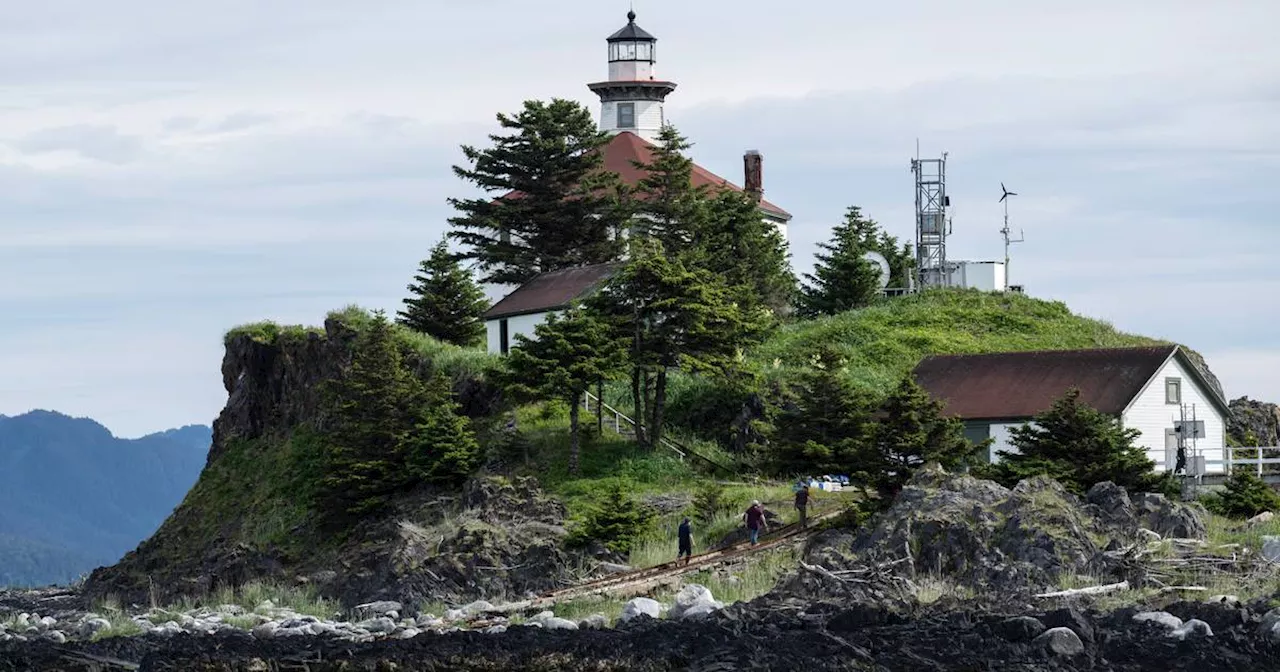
626	147
551	290
1009	385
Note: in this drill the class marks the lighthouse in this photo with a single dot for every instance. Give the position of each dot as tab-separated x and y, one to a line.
632	98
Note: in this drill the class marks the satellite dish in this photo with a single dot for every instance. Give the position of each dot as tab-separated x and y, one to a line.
882	264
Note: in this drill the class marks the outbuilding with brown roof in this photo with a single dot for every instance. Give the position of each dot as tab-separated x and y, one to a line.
1154	389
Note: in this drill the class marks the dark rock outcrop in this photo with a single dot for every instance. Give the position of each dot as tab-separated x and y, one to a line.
498	540
1254	423
996	543
274	388
762	635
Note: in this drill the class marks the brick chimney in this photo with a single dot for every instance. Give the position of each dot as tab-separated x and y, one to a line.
753	174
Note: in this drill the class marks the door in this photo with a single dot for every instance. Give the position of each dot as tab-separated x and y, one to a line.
1170	449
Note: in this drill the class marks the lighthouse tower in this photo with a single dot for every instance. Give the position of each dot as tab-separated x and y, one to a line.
632	98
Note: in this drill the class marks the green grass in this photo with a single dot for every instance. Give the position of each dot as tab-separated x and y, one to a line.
885	341
740	582
256	492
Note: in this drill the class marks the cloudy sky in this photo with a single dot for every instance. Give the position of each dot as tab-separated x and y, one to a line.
169	170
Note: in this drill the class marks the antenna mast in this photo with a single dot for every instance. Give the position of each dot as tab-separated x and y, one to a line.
1004	198
931	220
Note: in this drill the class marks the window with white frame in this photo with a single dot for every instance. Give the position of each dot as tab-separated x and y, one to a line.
1173	390
626	115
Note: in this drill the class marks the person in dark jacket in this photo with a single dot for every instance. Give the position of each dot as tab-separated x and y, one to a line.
686	541
802	504
755	520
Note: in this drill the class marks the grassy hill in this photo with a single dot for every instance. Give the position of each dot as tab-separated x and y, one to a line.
251	499
884	342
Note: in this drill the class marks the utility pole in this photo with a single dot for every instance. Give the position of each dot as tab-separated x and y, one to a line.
1004	198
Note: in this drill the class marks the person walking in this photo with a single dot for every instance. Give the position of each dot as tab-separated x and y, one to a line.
686	542
755	520
802	503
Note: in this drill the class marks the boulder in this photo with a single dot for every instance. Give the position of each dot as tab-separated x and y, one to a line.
1019	628
1193	628
1163	618
1271	548
640	606
693	601
1060	641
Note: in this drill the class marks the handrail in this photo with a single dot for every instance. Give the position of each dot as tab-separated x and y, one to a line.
1258	460
668	443
617	427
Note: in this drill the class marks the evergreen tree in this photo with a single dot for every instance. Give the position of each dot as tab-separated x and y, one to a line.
616	521
1078	446
372	412
443	448
445	302
823	428
842	279
674	316
565	210
1244	496
911	432
737	244
667	205
569	353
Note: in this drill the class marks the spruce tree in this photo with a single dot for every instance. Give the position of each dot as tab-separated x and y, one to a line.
824	426
842	279
911	432
443	448
737	244
444	301
569	353
674	316
372	410
1078	446
565	210
668	207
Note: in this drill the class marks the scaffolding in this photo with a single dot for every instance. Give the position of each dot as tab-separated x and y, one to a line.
932	226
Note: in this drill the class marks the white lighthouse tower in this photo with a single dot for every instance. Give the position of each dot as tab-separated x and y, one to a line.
632	98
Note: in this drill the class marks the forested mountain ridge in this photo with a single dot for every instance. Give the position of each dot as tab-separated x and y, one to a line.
73	496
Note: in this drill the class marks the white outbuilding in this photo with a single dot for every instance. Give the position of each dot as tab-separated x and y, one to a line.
1157	390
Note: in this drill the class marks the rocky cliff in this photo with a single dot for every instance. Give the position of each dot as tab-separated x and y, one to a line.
1254	423
248	517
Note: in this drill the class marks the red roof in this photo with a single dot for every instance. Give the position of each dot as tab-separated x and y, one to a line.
1015	385
626	147
551	290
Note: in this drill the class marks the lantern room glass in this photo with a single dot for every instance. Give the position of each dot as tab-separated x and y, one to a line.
631	50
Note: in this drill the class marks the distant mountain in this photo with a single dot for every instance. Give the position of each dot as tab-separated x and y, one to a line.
73	496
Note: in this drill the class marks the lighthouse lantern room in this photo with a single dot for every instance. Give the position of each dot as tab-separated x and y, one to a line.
631	100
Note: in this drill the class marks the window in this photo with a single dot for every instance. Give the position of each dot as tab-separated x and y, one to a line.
626	115
1173	390
502	337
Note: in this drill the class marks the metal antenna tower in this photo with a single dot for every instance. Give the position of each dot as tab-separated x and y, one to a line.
931	220
1004	198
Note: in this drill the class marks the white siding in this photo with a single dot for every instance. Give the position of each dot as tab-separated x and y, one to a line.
649	118
987	276
1149	414
631	71
999	432
518	324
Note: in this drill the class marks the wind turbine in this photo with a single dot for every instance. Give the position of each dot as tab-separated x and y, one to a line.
1005	231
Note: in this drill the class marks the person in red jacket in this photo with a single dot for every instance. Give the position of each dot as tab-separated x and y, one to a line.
755	520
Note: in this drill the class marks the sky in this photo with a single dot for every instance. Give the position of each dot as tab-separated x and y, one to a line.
171	170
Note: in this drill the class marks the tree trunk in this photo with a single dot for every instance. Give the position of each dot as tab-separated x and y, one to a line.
574	409
659	406
646	418
637	403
